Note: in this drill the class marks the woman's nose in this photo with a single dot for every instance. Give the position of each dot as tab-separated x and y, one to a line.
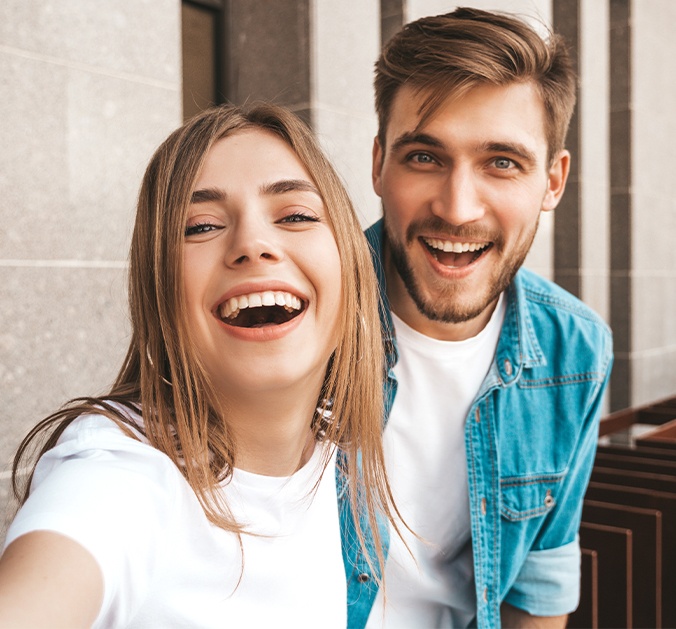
252	242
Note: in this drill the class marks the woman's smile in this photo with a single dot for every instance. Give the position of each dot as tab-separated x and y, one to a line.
262	274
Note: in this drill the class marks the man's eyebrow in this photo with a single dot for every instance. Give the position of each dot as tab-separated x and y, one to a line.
415	138
513	148
205	195
288	185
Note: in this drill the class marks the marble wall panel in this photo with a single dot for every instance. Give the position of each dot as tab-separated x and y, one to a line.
70	178
347	140
653	221
33	159
594	155
64	334
346	44
89	90
136	37
653	305
653	375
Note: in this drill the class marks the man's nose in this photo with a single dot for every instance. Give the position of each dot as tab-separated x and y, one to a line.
458	199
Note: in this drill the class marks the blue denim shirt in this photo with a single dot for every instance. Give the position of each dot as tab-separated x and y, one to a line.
530	439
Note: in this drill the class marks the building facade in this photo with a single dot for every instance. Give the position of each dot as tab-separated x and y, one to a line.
89	89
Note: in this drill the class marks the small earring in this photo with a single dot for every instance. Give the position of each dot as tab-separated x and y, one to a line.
323	418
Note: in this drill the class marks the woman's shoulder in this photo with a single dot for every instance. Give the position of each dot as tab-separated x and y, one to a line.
108	443
101	467
111	425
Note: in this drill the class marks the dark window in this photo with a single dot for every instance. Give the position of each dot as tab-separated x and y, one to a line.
203	54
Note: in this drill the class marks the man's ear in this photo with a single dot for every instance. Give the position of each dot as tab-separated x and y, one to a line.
557	176
377	166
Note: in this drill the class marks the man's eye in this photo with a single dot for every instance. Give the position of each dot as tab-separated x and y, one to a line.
503	163
422	158
299	217
200	228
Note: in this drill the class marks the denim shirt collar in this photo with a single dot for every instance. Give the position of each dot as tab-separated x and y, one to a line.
518	347
375	237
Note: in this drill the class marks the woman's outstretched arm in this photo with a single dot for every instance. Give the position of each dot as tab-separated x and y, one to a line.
48	580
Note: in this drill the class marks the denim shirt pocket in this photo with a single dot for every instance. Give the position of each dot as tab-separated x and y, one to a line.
525	497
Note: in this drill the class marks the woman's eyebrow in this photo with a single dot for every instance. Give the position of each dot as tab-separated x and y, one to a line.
206	195
288	185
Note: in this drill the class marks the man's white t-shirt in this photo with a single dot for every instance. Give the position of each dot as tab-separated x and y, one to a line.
163	563
424	443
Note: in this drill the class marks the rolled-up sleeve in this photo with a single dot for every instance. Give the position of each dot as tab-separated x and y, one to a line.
549	581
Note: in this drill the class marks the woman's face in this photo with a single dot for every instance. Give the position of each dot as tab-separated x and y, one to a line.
261	275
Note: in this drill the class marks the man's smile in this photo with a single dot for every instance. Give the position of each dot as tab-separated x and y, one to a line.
455	254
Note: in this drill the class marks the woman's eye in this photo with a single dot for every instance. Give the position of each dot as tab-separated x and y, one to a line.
299	217
200	228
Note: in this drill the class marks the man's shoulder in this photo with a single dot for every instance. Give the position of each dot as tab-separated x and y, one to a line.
543	296
562	333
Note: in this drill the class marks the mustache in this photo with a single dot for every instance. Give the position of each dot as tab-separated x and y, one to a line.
433	225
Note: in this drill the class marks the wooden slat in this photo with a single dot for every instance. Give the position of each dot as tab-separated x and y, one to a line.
586	616
646	527
632	478
663	454
613	546
663	437
637	463
660	501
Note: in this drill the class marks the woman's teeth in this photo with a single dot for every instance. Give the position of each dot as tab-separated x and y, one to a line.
233	306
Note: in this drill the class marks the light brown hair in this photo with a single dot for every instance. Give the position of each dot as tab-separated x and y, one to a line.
449	54
162	377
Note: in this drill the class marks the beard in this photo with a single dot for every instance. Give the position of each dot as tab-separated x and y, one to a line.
452	302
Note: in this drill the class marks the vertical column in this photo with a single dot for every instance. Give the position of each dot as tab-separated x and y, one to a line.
77	131
268	53
316	58
567	237
621	201
651	183
345	45
593	156
391	18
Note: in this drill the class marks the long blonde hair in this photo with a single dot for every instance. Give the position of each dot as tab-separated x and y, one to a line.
162	377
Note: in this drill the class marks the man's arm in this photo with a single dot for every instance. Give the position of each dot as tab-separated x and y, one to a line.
515	618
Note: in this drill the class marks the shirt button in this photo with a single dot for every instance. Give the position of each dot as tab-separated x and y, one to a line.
483	506
549	499
508	367
363	577
485	595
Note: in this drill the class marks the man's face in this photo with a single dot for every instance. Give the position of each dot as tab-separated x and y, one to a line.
461	197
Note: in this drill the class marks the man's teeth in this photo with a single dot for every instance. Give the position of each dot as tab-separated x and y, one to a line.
231	308
455	247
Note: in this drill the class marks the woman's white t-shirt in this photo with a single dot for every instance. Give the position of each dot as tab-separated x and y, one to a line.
163	563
